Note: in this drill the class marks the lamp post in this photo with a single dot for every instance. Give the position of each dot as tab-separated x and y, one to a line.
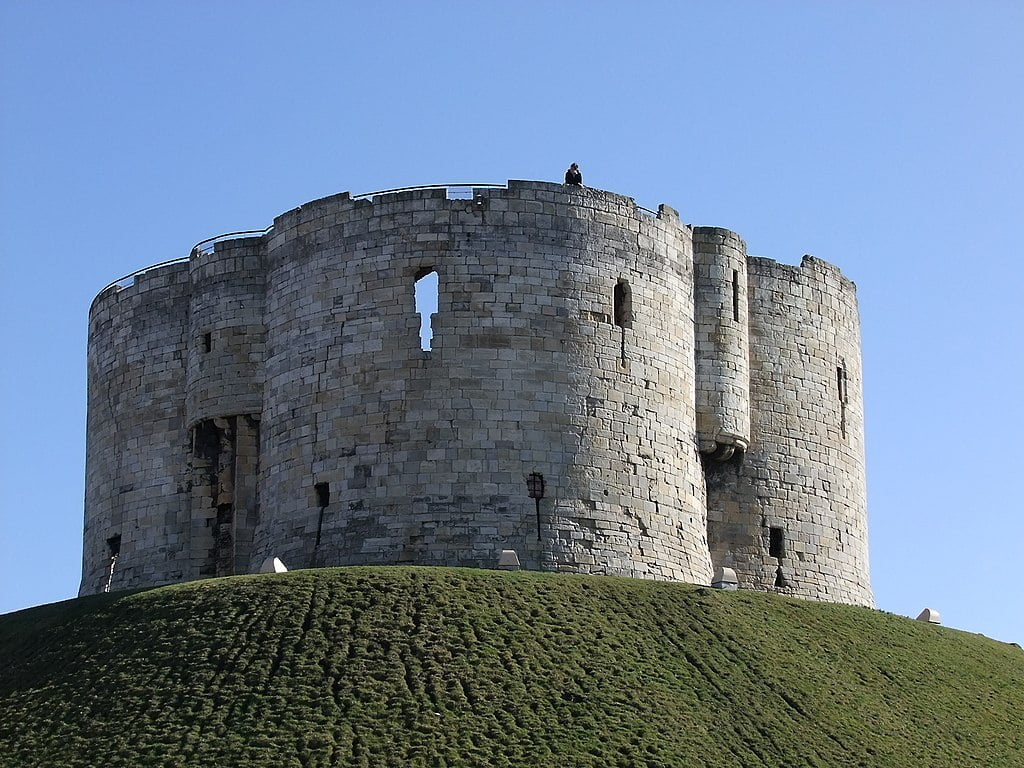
535	485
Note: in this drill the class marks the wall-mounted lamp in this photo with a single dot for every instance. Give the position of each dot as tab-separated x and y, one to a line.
535	485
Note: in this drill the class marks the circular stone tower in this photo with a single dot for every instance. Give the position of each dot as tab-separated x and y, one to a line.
561	350
604	389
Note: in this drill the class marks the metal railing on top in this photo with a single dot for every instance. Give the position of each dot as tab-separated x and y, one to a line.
203	246
124	282
461	185
206	246
449	187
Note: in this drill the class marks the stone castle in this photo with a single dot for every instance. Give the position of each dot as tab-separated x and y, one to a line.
606	390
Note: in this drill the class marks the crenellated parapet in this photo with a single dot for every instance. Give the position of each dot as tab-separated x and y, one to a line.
601	392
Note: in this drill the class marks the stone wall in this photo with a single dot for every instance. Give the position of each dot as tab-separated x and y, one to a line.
226	330
425	456
723	342
804	473
662	387
226	360
135	492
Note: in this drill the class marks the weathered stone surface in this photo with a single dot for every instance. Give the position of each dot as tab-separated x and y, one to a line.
688	407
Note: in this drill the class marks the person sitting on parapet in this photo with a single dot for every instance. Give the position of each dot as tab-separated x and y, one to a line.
573	176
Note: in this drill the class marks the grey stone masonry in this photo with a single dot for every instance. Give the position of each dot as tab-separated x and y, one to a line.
606	391
722	342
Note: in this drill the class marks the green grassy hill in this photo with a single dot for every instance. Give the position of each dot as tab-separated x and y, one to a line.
439	667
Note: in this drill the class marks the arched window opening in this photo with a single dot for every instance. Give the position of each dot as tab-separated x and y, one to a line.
426	289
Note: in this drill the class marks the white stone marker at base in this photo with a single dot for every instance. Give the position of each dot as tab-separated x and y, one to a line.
273	565
932	617
725	578
508	560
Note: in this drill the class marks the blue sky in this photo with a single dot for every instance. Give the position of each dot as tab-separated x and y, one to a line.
887	138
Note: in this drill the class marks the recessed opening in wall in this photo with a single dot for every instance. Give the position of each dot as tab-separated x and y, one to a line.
323	498
207	342
622	304
843	395
113	550
622	314
224	540
426	289
323	494
776	542
736	295
780	579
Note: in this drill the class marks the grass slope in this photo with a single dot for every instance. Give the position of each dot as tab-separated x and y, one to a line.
439	667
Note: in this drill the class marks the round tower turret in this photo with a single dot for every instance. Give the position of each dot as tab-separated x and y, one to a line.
135	497
722	343
792	516
225	400
226	333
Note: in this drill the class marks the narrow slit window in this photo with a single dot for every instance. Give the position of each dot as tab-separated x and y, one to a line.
426	304
736	295
843	396
323	498
841	383
622	305
207	342
776	542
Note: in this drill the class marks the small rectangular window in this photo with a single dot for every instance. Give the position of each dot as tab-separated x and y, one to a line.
323	494
776	542
114	545
622	304
207	342
736	295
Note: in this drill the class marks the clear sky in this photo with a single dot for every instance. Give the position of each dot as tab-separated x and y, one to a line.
885	137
